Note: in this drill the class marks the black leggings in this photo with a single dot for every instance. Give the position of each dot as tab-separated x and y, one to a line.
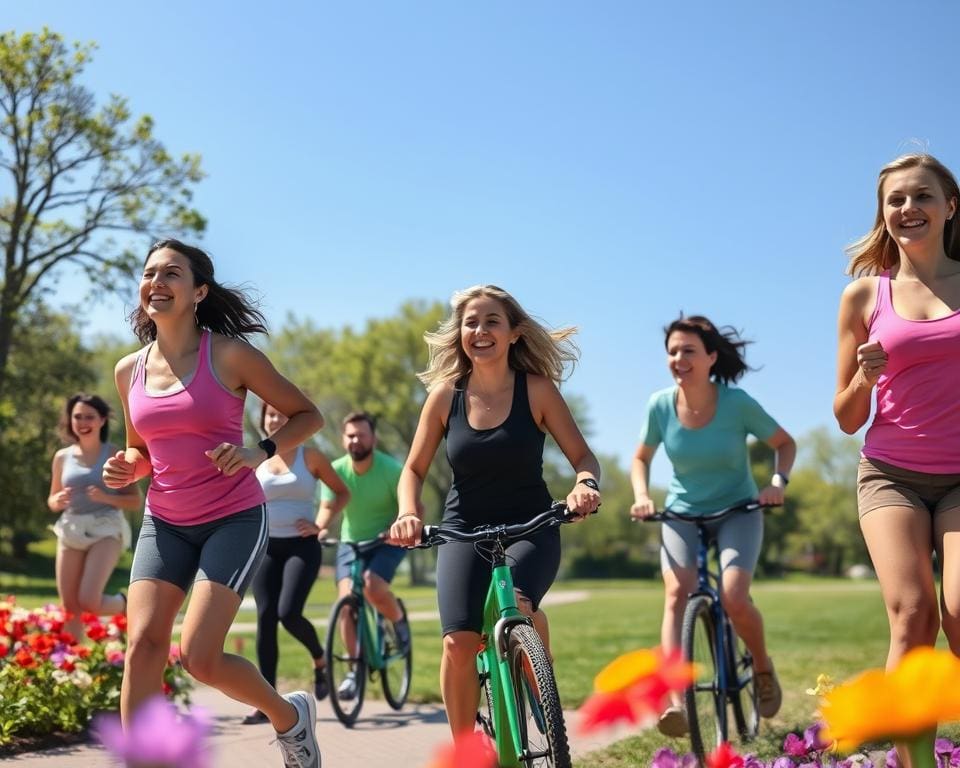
463	577
280	588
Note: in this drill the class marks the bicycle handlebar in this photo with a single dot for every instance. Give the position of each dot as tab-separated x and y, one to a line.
356	546
558	514
669	514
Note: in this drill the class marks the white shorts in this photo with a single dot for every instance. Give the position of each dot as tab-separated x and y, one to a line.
83	531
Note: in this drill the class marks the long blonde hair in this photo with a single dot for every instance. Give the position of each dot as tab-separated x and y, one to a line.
877	251
537	350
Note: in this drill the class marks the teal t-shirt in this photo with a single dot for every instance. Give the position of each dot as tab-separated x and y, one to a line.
711	467
373	496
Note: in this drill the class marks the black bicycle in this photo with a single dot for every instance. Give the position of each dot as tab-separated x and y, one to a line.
724	665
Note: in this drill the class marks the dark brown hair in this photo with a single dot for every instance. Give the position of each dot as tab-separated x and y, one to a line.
94	401
227	311
353	416
726	342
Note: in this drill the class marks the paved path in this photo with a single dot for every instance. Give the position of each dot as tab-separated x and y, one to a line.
382	737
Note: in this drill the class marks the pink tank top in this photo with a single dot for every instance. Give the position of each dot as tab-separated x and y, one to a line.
177	427
917	421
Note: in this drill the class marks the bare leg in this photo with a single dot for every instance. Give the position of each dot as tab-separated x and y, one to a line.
678	583
947	540
747	621
101	560
69	569
900	541
458	680
377	591
348	624
151	610
212	610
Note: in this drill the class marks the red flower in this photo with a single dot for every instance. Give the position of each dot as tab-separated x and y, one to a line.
25	659
80	650
4	650
87	617
120	622
724	756
96	632
67	639
469	750
634	688
167	688
18	630
67	666
42	644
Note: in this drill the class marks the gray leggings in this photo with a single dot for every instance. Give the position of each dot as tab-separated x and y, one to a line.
739	538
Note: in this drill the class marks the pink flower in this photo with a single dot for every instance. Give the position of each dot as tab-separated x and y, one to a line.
794	745
158	736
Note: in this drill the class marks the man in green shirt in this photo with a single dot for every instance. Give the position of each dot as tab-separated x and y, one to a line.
372	477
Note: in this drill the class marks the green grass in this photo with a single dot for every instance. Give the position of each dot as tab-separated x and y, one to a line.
813	626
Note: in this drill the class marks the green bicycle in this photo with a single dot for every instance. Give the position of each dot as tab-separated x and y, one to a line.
361	641
523	714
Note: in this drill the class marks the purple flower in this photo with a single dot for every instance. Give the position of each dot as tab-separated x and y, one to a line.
893	759
811	737
665	758
783	762
955	758
794	746
810	764
158	735
752	761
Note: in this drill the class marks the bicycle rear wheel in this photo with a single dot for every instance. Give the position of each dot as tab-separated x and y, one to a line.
397	663
746	713
543	733
706	702
344	661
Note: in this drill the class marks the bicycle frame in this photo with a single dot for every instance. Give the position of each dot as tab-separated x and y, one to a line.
500	615
369	630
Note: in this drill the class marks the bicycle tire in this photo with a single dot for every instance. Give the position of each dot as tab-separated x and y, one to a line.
341	660
485	719
706	703
397	669
746	712
542	729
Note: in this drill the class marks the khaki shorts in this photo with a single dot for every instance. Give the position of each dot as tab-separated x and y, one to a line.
883	485
83	531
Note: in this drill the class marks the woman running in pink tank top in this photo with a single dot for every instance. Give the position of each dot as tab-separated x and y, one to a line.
204	523
899	332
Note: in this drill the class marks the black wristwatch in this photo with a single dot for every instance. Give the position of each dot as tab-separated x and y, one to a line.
269	447
590	483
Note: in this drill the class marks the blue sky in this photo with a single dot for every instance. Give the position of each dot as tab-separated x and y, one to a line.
609	163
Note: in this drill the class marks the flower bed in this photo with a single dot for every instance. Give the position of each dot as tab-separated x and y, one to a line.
53	683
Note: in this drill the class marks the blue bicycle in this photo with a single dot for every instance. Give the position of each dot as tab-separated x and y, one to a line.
724	665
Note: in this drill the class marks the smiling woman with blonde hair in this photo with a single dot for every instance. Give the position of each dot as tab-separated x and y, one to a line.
492	382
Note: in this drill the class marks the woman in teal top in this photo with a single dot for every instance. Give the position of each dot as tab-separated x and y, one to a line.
703	424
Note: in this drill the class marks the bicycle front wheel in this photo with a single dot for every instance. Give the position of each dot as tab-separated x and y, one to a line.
346	666
706	702
746	713
397	663
543	733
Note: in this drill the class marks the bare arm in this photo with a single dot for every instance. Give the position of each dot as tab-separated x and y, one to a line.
406	530
59	497
855	356
126	467
555	417
785	453
243	367
643	505
320	468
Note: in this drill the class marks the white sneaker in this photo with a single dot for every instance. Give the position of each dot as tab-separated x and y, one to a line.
347	690
299	745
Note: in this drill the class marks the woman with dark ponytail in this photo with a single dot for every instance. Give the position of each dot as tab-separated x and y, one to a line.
703	423
204	524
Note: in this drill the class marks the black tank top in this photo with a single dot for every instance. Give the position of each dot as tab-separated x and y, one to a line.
498	472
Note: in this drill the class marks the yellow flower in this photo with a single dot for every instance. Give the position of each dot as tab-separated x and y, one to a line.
921	692
824	685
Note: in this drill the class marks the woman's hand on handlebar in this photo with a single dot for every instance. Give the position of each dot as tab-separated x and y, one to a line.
582	501
771	496
406	530
643	508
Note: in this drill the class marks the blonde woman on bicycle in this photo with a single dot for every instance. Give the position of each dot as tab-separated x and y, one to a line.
703	424
492	382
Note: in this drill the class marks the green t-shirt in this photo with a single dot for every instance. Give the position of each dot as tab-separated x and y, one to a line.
711	467
373	496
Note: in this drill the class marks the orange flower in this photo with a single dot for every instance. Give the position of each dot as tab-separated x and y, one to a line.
469	750
635	688
921	692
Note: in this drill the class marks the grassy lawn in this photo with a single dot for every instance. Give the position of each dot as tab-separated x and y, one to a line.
813	626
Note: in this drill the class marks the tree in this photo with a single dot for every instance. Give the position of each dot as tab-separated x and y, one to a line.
47	364
79	177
